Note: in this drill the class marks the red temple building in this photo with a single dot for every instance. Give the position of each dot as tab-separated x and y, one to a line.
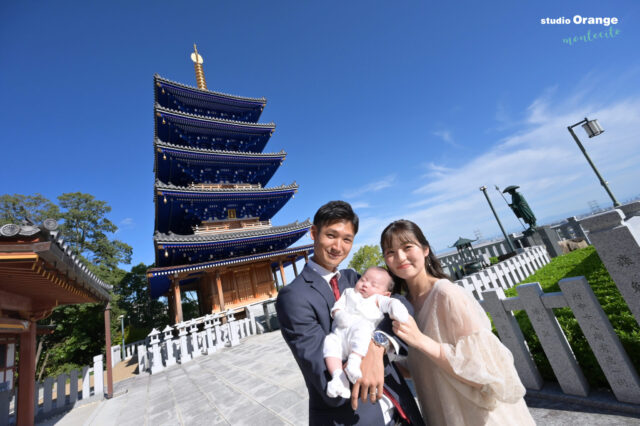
38	272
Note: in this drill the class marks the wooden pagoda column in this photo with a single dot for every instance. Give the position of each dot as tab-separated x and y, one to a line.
220	293
284	279
211	282
107	338
27	376
275	279
306	257
254	281
295	268
177	301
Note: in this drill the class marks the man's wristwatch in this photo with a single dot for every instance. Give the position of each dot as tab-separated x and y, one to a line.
380	339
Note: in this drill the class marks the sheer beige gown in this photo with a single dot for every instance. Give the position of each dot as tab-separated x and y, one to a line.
453	317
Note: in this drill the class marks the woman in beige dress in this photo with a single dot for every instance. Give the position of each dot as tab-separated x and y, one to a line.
462	373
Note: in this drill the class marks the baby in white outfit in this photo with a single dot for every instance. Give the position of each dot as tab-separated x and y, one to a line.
355	316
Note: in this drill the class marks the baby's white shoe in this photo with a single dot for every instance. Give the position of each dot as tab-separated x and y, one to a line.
353	368
339	385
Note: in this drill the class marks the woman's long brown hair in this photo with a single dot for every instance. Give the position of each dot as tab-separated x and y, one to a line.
408	232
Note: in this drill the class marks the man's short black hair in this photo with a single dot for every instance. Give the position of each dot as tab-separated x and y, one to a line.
335	211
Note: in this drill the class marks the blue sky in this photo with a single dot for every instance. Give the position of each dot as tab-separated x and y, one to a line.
402	108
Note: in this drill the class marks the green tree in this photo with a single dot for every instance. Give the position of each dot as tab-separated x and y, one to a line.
86	229
143	313
17	207
366	257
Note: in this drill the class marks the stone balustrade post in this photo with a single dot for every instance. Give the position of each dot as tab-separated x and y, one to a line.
47	401
232	326
195	344
98	377
170	359
86	382
617	241
5	403
156	356
185	356
578	231
208	325
602	338
143	363
36	399
252	320
61	390
559	353
512	337
73	386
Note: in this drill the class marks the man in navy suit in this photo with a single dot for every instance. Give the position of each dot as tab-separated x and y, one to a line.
303	308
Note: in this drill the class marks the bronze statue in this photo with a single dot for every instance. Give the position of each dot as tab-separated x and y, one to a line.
520	206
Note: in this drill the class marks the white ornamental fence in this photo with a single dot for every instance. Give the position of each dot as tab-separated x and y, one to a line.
507	273
56	394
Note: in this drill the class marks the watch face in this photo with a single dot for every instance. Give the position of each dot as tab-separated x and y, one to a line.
380	339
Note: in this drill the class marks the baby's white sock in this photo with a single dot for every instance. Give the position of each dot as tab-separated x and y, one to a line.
353	367
339	385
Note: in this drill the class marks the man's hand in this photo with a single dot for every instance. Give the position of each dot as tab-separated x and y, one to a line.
369	387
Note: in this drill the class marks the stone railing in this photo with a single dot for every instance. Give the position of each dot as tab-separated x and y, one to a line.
54	395
507	273
578	296
186	341
129	352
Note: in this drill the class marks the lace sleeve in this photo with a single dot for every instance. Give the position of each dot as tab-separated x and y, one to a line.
474	353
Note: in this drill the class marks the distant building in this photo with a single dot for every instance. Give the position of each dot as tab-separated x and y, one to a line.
213	210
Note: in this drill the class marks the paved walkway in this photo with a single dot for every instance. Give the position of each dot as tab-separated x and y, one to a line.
255	383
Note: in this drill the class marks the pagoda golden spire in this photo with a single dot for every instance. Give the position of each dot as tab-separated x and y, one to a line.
197	63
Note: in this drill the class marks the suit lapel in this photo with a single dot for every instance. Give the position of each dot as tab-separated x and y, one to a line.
319	284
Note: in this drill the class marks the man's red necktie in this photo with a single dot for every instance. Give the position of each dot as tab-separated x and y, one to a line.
334	286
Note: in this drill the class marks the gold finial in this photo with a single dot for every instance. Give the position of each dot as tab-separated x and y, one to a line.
197	63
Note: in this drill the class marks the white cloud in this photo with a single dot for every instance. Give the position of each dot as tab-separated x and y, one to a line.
375	186
127	222
360	205
445	135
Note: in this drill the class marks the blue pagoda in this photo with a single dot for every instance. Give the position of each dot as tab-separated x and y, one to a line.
213	208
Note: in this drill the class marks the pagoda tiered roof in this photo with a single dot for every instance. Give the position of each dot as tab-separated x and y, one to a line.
179	209
177	96
181	165
173	249
194	130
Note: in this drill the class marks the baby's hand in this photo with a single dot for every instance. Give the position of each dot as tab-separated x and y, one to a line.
342	318
398	311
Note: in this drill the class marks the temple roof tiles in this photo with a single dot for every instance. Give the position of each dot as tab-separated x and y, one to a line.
160	238
161	109
261	101
59	253
170	187
167	145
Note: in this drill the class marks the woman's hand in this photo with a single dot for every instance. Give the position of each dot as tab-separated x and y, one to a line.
409	332
412	336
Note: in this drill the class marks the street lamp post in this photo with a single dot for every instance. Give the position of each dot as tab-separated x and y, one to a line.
121	317
506	237
593	128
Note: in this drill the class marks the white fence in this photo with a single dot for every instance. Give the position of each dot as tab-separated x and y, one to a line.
59	393
578	296
507	273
